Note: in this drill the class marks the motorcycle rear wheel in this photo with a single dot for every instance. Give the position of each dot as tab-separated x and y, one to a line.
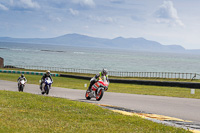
87	95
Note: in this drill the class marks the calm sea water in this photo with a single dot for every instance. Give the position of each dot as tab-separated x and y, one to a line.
97	58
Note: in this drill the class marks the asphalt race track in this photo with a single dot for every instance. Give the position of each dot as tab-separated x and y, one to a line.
182	108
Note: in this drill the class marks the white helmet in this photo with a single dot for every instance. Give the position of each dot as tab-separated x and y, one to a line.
48	72
104	71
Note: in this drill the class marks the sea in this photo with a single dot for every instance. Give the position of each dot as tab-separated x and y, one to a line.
97	58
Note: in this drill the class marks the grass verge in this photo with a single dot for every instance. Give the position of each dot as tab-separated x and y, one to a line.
113	87
23	112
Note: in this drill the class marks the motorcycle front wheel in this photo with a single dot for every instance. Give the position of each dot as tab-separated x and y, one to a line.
100	94
47	89
21	88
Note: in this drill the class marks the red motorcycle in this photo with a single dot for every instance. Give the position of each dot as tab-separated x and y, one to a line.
97	90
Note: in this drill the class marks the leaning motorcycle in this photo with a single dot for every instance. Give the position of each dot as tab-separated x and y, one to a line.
21	85
47	85
97	89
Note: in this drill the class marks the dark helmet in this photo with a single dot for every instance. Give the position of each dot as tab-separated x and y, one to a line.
104	71
48	72
22	75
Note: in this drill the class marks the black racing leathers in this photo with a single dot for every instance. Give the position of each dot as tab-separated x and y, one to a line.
43	79
45	76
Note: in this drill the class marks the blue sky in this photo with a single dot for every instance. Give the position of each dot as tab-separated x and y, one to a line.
166	21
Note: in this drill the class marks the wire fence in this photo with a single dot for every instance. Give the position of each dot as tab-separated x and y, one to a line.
168	75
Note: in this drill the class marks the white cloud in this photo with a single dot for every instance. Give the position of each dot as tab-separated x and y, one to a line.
42	28
89	3
86	27
26	4
74	12
30	3
166	13
2	7
117	1
56	19
102	19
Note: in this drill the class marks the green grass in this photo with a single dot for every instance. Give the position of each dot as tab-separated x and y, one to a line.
23	112
113	87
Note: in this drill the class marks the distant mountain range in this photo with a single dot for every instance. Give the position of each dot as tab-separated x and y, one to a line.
87	41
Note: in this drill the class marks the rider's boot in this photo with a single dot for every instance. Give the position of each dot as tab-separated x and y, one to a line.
90	86
42	89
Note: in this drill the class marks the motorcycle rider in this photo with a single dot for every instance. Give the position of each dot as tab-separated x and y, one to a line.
47	74
22	77
93	80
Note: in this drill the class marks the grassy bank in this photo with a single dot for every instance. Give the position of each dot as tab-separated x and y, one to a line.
113	87
23	112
